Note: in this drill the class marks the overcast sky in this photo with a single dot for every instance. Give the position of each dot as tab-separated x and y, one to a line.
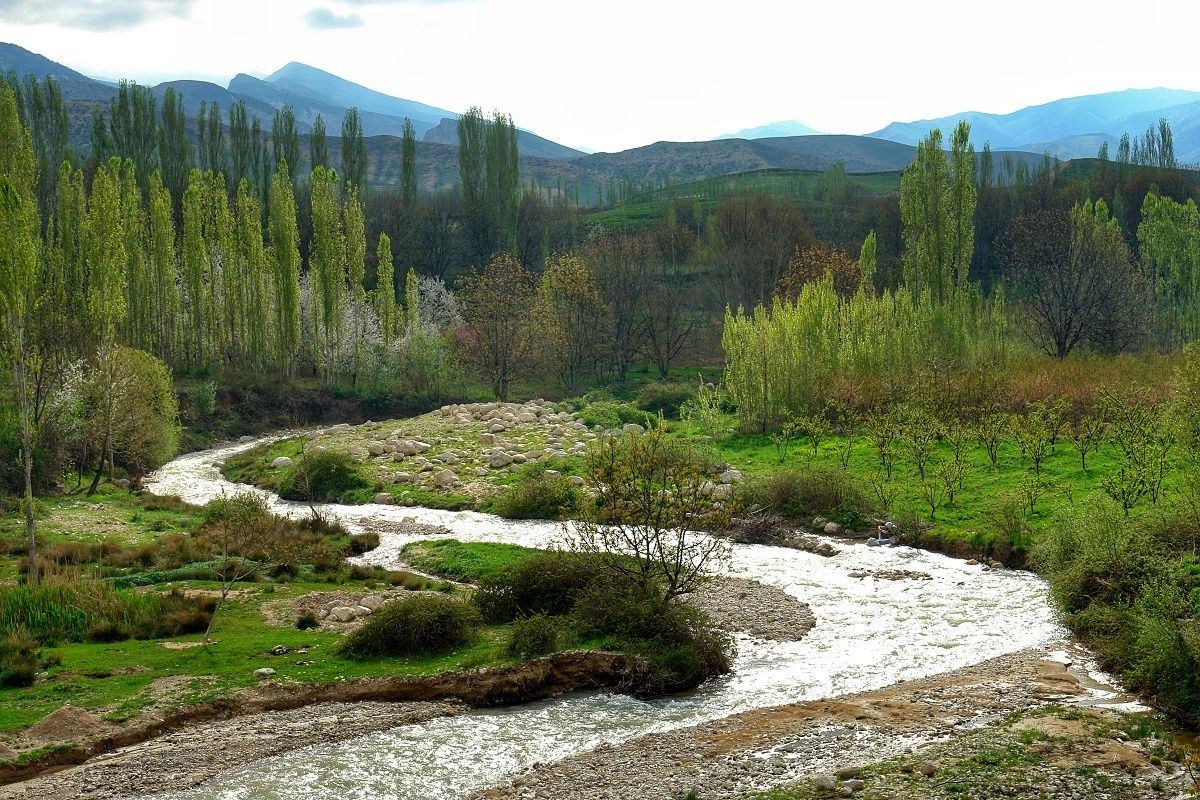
621	73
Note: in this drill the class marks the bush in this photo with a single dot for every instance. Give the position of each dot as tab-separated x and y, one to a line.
533	636
801	494
20	658
363	542
323	476
242	508
547	583
665	398
106	631
537	495
420	625
610	414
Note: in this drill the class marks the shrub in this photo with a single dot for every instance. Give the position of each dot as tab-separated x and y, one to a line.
363	542
547	583
419	625
537	495
804	493
323	476
533	636
665	398
242	508
610	414
20	658
107	631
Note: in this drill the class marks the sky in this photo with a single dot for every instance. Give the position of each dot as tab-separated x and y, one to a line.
621	73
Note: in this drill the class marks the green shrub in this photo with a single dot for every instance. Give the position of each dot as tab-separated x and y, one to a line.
665	398
465	561
242	508
610	414
418	625
536	495
533	636
547	583
801	494
323	476
20	658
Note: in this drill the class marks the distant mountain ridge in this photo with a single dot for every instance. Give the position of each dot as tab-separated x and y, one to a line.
787	127
1066	127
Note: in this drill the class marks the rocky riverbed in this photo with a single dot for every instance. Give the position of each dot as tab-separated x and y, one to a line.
920	732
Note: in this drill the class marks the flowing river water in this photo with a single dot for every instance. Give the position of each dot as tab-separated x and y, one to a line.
869	633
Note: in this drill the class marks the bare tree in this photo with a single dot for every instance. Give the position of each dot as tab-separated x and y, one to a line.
652	498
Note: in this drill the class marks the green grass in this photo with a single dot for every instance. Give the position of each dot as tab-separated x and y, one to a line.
465	561
973	516
648	208
115	679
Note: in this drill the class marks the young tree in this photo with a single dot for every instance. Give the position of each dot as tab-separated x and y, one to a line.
496	303
385	289
567	314
866	264
652	494
19	254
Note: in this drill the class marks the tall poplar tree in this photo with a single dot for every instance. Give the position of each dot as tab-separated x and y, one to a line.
354	152
327	271
133	123
19	251
408	166
318	146
164	306
192	264
285	141
285	259
212	137
106	299
252	277
174	147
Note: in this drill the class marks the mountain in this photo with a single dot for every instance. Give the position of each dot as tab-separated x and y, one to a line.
1057	122
307	107
75	85
446	132
788	127
315	84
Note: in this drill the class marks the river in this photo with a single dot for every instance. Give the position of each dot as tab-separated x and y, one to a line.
870	633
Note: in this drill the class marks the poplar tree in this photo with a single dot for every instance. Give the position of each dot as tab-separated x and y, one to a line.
251	277
192	263
164	305
408	166
285	141
241	148
285	258
134	126
354	152
138	299
318	147
326	269
70	252
174	147
19	229
385	289
356	246
412	303
106	299
212	137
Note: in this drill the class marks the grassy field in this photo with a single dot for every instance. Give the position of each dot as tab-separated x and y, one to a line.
648	208
988	494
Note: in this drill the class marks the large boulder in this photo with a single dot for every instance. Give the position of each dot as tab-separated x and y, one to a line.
499	459
445	478
281	462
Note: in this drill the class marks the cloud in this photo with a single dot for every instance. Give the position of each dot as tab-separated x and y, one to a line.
92	15
322	19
